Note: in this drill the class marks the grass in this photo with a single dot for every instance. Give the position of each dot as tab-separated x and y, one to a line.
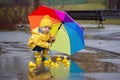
112	21
96	1
107	21
88	6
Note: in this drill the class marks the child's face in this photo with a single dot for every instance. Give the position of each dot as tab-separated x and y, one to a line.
46	29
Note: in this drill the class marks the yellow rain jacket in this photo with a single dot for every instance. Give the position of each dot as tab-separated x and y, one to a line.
39	39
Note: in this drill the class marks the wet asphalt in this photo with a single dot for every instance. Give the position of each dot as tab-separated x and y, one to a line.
92	63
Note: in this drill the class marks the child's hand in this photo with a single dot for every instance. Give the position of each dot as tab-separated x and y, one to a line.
52	39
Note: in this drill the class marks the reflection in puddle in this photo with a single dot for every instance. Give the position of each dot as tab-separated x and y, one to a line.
62	72
40	75
91	62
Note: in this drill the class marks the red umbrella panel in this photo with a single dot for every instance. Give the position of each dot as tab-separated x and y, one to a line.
36	16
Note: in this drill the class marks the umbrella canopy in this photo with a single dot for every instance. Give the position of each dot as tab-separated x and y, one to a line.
68	33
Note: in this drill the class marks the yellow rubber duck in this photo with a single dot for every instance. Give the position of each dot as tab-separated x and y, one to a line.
58	58
67	63
32	66
65	59
49	59
46	62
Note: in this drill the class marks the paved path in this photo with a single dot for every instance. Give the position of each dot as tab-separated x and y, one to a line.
105	39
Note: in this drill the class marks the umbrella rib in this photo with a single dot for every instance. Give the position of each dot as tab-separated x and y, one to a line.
58	29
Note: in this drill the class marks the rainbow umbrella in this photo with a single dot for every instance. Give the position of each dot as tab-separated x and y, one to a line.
68	33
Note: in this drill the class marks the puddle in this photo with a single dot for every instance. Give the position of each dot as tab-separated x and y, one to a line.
14	59
97	62
13	66
70	72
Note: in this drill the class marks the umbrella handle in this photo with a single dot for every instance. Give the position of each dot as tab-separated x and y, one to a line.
56	33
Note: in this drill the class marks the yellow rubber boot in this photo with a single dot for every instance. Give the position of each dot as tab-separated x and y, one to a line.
45	54
36	54
38	60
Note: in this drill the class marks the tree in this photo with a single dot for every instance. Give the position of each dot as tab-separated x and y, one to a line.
113	4
62	5
13	12
37	3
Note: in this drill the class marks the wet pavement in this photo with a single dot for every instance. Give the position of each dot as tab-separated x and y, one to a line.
98	61
106	39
